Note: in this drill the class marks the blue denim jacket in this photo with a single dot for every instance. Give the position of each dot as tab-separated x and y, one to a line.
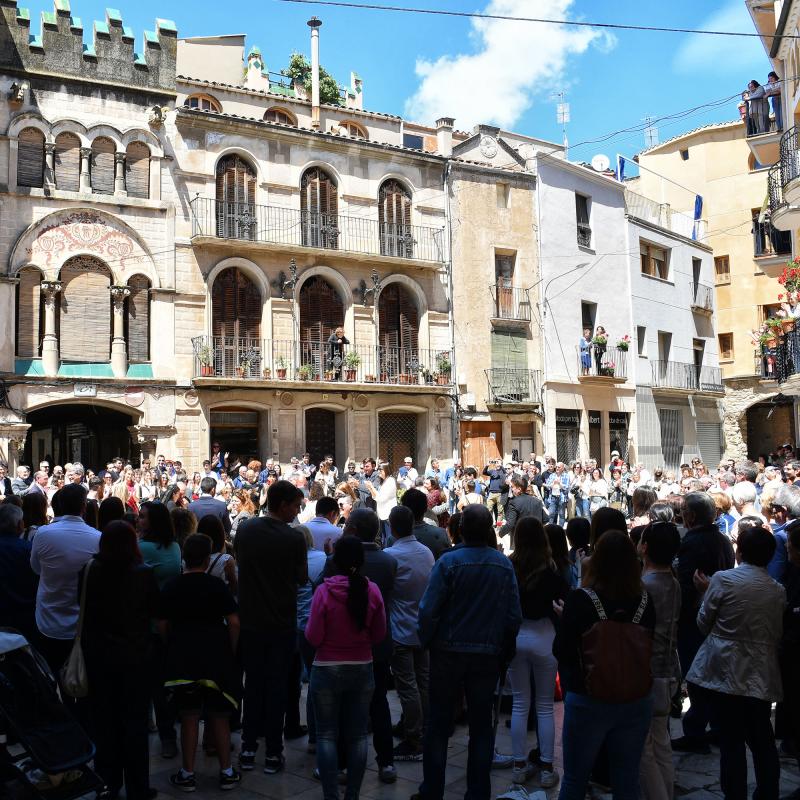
471	604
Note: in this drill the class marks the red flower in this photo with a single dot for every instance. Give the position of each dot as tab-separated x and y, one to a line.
780	297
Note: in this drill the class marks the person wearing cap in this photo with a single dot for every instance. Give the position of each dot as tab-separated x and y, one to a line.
407	475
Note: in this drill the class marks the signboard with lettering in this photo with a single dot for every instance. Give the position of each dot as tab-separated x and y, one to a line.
567	419
617	419
595	419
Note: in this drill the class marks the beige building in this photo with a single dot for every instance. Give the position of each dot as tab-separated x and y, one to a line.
717	163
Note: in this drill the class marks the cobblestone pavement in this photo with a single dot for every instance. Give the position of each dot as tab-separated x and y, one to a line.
697	776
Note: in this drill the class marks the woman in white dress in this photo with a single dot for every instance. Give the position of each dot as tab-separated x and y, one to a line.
385	498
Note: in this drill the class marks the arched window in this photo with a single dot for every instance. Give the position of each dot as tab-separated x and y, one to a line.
30	313
30	158
394	219
318	209
137	170
398	330
84	318
353	129
235	322
204	102
236	197
281	116
137	319
321	313
68	162
103	150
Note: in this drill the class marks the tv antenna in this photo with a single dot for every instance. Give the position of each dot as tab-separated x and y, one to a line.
650	132
562	116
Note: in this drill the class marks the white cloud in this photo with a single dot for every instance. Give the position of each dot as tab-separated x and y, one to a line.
720	55
512	63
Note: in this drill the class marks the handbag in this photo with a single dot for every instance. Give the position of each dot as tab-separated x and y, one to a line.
74	679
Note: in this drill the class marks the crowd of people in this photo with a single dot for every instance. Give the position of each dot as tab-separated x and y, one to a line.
203	602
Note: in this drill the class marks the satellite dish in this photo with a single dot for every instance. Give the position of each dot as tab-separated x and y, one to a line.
600	163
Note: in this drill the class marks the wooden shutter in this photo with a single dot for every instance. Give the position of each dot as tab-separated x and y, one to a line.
236	194
103	150
30	158
235	306
68	162
137	170
137	319
321	310
319	209
394	219
509	350
398	319
280	116
85	316
29	313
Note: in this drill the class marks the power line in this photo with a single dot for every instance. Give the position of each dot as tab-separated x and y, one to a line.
546	21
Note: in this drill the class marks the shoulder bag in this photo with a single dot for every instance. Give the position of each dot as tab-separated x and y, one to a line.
74	679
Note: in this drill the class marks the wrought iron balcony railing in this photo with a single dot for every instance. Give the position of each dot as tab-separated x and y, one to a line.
510	302
781	360
775	188
514	386
272	359
688	377
768	241
601	361
702	296
790	156
293	227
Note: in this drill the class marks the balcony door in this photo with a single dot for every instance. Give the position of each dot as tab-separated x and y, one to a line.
394	220
321	313
235	323
236	197
319	209
398	331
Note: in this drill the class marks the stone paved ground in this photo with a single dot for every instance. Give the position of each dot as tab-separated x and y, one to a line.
697	776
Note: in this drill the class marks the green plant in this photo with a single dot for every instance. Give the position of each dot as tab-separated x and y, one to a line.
600	341
299	69
206	355
305	371
775	324
281	363
443	363
352	359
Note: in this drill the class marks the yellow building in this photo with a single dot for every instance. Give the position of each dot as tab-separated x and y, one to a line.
717	163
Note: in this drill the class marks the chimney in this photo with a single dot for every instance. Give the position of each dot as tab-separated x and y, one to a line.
444	136
315	25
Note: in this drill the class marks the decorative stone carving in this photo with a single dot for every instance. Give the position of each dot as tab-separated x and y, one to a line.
488	147
119	294
157	116
50	289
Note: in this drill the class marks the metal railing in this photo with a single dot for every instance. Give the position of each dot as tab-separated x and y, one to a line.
661	214
764	364
758	124
790	156
273	359
690	377
769	241
584	235
507	385
775	188
291	226
781	362
603	362
702	296
510	302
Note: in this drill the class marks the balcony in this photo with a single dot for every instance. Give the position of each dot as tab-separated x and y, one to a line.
603	365
584	235
764	364
763	140
771	247
702	299
677	376
227	358
290	229
781	362
662	215
511	307
783	184
513	387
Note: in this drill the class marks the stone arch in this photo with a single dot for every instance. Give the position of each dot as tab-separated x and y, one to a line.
738	400
336	279
71	126
58	236
247	155
113	405
255	273
109	132
29	119
145	137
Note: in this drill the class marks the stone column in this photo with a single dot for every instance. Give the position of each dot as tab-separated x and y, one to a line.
119	349
86	178
50	165
119	174
50	290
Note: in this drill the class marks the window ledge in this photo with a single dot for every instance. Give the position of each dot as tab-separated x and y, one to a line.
656	278
727	360
589	250
90	197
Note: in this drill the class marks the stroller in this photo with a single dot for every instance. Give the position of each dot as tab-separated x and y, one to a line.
51	751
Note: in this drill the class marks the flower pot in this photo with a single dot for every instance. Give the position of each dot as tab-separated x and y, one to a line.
443	378
405	378
369	379
330	375
240	371
281	374
787	325
267	374
622	347
350	375
772	341
384	377
206	371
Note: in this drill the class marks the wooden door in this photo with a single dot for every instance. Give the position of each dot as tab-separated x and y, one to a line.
236	197
481	442
321	313
394	220
319	209
320	433
235	322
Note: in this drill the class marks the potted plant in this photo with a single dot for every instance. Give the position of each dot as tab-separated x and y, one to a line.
774	326
244	367
267	372
352	360
330	374
608	369
443	368
206	357
280	367
369	379
601	340
305	372
624	343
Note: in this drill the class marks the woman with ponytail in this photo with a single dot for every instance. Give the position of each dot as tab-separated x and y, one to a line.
347	618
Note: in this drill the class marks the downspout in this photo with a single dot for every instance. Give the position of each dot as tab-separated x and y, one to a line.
542	310
454	405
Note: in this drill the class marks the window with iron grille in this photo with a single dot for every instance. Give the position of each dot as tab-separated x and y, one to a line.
236	196
397	438
582	218
319	209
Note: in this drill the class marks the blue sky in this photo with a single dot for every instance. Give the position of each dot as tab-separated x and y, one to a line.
498	72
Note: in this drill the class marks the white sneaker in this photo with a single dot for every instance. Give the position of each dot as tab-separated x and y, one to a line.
548	778
521	774
500	761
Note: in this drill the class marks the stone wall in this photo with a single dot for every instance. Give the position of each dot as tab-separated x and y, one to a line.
739	396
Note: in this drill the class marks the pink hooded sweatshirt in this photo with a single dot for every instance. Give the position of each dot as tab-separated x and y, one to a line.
333	632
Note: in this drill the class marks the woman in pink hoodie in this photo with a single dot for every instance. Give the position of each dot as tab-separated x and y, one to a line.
347	618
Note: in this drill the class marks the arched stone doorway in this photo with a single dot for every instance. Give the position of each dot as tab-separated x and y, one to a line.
90	434
770	424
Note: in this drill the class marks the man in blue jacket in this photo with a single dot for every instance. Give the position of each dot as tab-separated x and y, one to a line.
468	617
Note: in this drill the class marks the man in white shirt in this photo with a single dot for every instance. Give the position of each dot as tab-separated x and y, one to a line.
323	528
60	551
407	474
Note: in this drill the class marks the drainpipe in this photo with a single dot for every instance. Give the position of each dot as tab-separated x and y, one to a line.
315	25
454	406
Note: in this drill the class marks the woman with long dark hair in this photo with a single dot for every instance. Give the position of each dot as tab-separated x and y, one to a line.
595	715
223	564
112	509
34	513
540	585
121	601
347	618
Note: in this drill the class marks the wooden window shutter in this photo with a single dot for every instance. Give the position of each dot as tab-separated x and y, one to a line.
85	315
321	310
398	318
394	219
236	194
103	150
30	158
137	319
409	320
223	321
137	170
248	307
68	162
29	313
235	306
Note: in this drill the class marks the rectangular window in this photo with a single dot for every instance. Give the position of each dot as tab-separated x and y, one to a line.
503	195
413	141
641	340
588	315
684	155
654	260
584	229
722	270
725	346
664	346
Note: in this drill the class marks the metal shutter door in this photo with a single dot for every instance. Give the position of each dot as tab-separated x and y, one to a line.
29	301
30	158
68	162
85	320
137	170
137	320
709	442
103	150
671	421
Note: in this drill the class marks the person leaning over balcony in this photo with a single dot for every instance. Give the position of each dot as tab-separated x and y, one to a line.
757	108
773	91
336	342
585	348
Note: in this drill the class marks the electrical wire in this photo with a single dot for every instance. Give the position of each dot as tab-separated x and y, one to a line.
543	20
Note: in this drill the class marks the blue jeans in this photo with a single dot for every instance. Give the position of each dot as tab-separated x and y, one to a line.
582	508
557	509
341	694
477	674
588	723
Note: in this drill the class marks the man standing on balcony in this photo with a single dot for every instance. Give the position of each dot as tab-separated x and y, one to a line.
773	91
757	108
